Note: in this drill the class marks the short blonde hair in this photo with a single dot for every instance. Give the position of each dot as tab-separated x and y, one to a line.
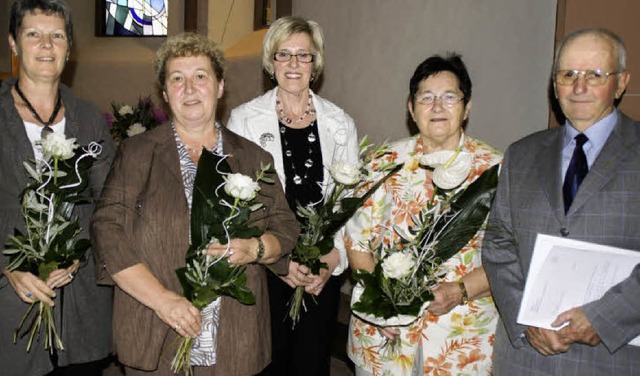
285	27
188	44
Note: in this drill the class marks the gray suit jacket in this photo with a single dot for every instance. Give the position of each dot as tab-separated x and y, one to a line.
606	210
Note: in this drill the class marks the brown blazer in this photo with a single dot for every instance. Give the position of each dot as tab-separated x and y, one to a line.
143	218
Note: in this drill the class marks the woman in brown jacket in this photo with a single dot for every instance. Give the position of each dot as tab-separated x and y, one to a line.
141	227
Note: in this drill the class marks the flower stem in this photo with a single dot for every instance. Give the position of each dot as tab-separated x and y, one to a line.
182	360
55	170
296	303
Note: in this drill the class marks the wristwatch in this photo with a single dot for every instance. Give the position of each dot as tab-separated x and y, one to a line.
463	290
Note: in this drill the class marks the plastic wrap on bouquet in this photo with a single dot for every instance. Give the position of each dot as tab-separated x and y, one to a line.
398	320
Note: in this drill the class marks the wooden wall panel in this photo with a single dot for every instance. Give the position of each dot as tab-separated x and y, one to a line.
619	16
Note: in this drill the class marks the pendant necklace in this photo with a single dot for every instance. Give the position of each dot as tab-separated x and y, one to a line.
308	163
56	108
215	149
286	119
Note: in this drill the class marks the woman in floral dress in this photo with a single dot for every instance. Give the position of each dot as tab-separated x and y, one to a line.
455	335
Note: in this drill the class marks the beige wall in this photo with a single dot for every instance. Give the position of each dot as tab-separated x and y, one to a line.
372	49
373	46
229	21
102	69
620	16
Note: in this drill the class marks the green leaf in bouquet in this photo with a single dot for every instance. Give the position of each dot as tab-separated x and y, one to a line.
376	300
349	205
247	232
202	296
45	268
237	289
206	183
31	171
471	208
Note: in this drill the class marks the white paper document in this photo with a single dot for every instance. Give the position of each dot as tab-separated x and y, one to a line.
567	273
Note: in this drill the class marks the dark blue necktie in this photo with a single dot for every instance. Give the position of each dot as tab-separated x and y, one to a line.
576	172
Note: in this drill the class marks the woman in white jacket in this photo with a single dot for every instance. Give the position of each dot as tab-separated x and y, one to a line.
305	134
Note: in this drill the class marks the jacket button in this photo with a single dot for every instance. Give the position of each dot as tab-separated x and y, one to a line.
564	232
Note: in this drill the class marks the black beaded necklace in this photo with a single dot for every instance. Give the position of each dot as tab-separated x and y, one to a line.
56	108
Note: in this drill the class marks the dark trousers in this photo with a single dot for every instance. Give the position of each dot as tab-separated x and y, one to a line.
82	369
305	350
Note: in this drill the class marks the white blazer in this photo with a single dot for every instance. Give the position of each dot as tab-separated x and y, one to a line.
257	121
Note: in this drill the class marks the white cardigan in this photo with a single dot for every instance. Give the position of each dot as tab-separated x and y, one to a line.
257	121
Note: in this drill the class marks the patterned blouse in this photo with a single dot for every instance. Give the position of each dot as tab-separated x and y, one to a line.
457	343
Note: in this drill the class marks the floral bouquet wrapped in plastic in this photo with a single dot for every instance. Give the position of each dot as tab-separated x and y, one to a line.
399	289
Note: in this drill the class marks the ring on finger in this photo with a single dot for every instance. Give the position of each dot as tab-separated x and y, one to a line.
230	252
28	295
177	327
70	275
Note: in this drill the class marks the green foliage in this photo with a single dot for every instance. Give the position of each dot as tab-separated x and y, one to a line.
47	208
205	278
50	240
381	295
443	228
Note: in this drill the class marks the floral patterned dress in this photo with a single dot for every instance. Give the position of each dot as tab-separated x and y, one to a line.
457	343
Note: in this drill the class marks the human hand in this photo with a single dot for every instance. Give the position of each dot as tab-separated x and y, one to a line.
30	288
332	259
547	342
62	277
579	328
298	275
389	332
182	316
446	296
237	251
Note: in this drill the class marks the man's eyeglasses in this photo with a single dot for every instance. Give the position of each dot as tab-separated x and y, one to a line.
302	57
593	77
448	99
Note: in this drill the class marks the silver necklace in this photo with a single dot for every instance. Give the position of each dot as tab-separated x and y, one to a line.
308	163
218	148
286	119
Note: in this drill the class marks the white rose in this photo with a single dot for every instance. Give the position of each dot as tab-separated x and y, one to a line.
57	146
451	168
345	173
241	187
398	265
135	128
125	110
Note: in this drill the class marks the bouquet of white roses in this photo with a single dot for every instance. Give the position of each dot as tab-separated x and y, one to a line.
128	121
220	210
50	238
322	222
399	289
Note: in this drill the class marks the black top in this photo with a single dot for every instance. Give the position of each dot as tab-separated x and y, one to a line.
303	167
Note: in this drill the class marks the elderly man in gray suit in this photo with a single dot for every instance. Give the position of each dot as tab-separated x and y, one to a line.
580	181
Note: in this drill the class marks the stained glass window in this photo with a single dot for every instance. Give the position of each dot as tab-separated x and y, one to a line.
135	17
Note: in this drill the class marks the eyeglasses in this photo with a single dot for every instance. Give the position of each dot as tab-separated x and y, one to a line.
302	57
593	77
448	99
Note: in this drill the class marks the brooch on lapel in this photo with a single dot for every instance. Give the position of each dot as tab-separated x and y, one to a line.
266	137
